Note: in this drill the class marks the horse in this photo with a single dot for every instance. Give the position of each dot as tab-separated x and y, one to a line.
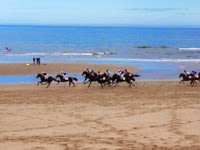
48	80
118	79
104	80
70	79
186	78
86	75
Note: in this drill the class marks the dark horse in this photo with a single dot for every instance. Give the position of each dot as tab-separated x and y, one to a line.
104	80
86	75
186	78
116	79
70	79
92	78
47	81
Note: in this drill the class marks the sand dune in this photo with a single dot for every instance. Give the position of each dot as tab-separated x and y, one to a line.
151	115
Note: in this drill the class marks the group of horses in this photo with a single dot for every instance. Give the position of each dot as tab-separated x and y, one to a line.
109	80
191	77
103	80
48	80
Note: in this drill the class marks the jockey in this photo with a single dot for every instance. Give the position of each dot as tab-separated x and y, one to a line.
195	73
46	75
121	74
89	71
108	73
187	73
64	74
100	73
93	73
127	72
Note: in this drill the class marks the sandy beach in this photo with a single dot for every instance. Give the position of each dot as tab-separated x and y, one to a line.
55	68
151	115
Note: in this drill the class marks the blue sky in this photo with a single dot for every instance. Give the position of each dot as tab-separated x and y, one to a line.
101	12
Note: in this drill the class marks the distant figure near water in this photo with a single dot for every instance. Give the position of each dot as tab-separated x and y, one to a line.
34	60
38	60
7	49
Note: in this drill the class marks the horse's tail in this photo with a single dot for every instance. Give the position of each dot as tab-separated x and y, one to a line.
75	79
138	75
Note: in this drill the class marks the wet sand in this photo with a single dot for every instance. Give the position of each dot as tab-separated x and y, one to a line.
55	68
151	115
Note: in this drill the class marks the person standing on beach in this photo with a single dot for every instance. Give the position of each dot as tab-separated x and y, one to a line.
39	60
34	60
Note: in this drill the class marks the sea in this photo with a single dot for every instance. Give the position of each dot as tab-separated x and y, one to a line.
162	53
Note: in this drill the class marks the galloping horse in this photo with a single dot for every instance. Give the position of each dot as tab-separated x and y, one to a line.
92	78
118	79
103	80
47	81
70	79
86	75
186	78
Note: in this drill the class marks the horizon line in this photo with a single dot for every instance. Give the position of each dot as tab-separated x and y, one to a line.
108	26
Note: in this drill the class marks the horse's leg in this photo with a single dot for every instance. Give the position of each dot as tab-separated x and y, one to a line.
73	83
116	84
87	82
102	85
129	84
48	84
132	84
38	83
192	82
84	80
195	82
69	83
58	82
90	84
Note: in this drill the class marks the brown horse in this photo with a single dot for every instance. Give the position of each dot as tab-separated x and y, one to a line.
118	79
86	75
186	78
47	81
91	78
70	79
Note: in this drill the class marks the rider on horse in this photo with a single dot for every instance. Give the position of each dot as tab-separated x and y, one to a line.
108	73
46	75
127	72
64	74
100	73
121	74
195	73
89	71
93	73
187	73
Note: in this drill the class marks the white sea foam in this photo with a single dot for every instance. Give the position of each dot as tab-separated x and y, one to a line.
153	60
189	49
56	54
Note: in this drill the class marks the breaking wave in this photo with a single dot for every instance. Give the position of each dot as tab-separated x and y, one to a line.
57	54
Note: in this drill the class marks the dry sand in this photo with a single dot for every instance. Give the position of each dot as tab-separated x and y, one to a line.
55	68
151	115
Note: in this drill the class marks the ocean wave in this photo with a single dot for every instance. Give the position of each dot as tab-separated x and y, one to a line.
152	60
57	54
189	49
